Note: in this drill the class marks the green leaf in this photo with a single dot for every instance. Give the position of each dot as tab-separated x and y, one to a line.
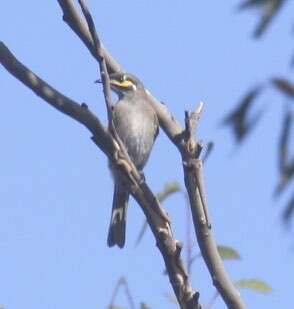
228	253
255	285
169	188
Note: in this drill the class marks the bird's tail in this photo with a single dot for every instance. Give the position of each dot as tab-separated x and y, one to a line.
117	228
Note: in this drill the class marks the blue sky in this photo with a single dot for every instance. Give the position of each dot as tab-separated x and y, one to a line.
56	190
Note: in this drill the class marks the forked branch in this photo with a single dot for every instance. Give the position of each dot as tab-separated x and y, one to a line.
192	165
156	216
184	140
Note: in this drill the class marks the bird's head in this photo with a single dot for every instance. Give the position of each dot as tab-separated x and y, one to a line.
125	84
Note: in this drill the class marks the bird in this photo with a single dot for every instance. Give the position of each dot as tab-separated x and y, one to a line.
137	126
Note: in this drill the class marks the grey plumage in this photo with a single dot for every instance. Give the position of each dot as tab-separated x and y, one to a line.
137	125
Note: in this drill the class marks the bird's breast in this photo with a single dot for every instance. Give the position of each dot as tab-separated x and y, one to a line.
136	126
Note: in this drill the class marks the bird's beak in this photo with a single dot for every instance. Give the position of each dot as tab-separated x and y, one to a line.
111	81
114	84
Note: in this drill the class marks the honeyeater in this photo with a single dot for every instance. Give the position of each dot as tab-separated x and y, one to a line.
136	124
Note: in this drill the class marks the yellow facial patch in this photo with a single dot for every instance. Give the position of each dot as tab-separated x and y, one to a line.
122	84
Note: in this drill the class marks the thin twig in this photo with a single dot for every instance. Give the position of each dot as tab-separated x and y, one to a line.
189	241
122	282
101	60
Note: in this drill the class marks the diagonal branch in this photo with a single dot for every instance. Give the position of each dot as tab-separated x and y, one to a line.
71	16
101	60
158	221
121	151
190	156
79	112
183	297
141	192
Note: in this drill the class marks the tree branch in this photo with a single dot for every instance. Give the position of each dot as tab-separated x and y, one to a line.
79	112
158	221
183	139
190	156
121	150
192	165
71	16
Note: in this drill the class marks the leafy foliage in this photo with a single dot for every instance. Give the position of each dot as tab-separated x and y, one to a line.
268	10
256	285
238	119
169	188
228	253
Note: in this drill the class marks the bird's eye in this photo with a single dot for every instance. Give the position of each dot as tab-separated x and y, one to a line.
123	78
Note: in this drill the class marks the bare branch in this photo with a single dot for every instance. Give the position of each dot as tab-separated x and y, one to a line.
79	112
191	160
157	219
106	84
177	135
190	150
189	241
71	16
165	242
